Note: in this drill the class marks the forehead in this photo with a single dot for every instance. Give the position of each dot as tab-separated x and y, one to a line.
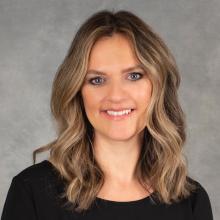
114	52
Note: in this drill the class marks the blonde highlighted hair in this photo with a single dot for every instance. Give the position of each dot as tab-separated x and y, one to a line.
162	163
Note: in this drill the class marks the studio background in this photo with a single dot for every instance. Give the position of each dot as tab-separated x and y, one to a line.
34	38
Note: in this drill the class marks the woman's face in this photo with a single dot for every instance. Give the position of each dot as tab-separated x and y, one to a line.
113	84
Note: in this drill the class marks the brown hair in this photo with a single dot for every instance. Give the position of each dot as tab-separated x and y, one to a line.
162	162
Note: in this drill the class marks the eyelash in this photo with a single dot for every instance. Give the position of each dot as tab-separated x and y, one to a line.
98	77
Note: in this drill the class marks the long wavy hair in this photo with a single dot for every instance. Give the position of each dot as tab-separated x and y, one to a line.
162	163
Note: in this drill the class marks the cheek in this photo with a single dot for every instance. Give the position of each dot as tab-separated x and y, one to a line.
91	99
143	94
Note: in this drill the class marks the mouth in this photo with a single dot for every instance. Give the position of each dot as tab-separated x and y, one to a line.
117	115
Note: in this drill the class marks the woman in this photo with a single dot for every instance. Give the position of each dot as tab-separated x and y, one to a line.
120	133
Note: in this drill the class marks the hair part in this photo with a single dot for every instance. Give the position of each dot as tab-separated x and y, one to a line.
162	163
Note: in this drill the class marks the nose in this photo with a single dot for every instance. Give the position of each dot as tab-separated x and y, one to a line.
116	92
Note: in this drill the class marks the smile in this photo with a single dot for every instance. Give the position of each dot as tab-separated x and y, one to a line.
117	115
127	111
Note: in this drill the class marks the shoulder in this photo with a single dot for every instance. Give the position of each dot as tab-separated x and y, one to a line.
200	191
36	172
40	176
200	201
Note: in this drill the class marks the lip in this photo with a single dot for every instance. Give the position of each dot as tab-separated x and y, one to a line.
117	117
117	109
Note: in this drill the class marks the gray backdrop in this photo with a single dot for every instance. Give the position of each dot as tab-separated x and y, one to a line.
34	38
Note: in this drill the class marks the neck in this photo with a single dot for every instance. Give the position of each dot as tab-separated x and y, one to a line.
117	159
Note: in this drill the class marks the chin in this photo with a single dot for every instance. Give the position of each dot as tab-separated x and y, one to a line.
121	137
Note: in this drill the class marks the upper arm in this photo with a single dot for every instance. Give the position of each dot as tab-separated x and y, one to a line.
19	203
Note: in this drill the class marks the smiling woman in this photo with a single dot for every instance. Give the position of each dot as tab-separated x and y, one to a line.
120	133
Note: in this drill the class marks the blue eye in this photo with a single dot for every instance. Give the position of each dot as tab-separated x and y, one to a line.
136	74
95	81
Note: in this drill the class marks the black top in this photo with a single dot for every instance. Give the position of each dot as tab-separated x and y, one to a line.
33	196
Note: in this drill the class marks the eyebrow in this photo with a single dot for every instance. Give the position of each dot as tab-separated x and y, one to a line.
141	66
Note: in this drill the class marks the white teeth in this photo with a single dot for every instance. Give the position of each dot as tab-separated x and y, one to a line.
127	111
